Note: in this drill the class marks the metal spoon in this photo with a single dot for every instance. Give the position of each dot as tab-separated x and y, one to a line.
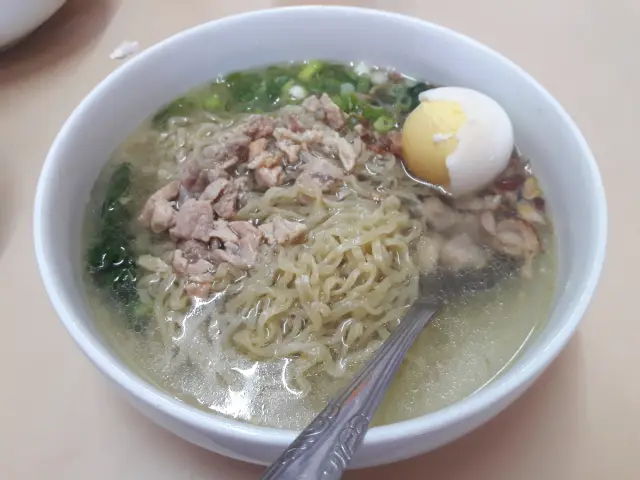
324	449
429	185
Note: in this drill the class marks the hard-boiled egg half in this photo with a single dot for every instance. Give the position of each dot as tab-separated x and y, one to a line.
458	139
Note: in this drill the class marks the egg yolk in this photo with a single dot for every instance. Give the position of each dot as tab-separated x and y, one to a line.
429	136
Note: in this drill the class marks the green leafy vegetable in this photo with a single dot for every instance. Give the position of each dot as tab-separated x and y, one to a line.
259	91
339	72
363	85
321	84
244	86
266	90
111	257
397	90
273	88
337	99
416	90
179	107
351	102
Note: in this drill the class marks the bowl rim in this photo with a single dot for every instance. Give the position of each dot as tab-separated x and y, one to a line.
219	425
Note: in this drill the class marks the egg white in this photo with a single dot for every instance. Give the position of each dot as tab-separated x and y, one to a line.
485	140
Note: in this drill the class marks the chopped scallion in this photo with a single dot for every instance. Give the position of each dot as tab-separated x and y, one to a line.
297	92
397	90
347	88
405	103
384	124
372	113
309	70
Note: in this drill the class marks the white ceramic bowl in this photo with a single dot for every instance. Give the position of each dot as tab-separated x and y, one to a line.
19	18
544	132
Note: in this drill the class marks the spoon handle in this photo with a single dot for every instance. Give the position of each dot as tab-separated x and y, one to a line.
324	449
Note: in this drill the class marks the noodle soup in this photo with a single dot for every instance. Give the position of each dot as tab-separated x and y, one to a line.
253	243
